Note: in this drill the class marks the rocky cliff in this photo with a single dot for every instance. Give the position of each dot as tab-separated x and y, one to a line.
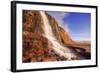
59	32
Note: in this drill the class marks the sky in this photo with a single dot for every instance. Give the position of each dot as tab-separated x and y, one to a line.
77	24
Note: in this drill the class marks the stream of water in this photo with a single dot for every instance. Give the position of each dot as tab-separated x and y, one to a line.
59	49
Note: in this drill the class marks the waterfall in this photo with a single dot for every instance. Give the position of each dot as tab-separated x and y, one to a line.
59	49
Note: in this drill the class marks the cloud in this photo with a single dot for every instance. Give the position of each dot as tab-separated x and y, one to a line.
59	16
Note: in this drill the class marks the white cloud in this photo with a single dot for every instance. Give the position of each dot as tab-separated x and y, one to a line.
59	16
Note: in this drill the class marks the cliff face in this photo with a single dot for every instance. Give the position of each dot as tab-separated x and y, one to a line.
32	22
36	47
59	32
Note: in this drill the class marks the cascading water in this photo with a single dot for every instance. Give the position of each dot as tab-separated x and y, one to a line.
61	50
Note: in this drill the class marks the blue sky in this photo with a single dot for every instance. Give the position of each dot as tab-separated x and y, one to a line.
77	24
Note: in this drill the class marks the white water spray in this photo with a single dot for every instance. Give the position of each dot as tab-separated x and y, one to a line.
61	50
